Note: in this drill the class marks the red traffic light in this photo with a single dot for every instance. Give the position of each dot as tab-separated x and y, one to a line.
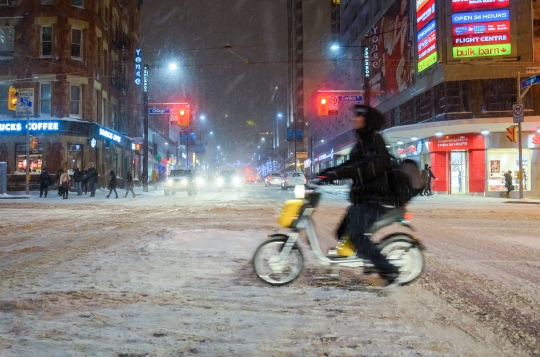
322	105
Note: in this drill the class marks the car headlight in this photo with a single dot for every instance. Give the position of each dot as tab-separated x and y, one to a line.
170	181
184	182
236	180
200	181
220	181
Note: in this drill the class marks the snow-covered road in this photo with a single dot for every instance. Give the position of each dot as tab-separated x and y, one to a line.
171	276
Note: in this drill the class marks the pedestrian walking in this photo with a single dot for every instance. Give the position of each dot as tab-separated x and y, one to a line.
58	174
129	185
84	181
91	179
64	182
44	182
112	184
77	177
427	175
155	178
508	183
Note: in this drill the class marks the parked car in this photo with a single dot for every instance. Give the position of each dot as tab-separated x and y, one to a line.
229	179
274	179
180	180
291	179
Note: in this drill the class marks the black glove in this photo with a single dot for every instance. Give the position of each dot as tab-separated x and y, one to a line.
329	174
327	177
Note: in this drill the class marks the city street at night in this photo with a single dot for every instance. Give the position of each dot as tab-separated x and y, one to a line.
171	276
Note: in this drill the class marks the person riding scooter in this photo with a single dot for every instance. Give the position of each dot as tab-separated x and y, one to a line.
369	161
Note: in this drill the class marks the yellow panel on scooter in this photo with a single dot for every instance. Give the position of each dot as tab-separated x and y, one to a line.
345	248
289	212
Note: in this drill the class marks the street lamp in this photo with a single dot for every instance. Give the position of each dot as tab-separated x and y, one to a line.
146	69
366	65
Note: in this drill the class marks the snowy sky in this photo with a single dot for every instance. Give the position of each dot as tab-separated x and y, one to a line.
224	88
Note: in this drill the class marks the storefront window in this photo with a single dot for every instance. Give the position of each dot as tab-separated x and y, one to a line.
75	155
504	160
34	159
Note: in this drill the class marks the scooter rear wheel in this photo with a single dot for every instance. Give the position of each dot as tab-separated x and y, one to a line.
403	249
270	269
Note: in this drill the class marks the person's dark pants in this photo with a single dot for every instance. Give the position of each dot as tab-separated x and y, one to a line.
85	187
111	190
360	218
92	188
427	189
43	190
65	192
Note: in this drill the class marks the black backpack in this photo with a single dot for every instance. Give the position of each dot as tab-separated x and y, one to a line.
404	181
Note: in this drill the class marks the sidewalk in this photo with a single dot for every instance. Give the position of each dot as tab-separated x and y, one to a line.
440	198
100	193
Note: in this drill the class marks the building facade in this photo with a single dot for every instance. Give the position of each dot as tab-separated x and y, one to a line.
73	60
445	75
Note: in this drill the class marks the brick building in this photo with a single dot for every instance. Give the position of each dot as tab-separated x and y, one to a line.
445	74
74	61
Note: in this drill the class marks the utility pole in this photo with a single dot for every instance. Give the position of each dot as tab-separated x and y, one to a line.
27	150
520	141
145	129
294	126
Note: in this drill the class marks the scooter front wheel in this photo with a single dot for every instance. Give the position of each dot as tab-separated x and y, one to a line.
269	266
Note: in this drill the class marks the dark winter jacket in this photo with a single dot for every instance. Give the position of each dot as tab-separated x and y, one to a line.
367	167
112	181
507	179
91	175
427	175
77	175
44	179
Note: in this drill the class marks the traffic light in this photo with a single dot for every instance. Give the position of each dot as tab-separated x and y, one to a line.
512	133
12	98
183	116
322	105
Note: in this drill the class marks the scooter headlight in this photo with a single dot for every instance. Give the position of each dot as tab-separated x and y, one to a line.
184	182
220	181
300	191
170	181
200	181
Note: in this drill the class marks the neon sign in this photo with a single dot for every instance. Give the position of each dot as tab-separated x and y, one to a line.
481	33
481	28
468	5
45	126
482	39
109	135
138	60
427	34
145	79
482	51
426	14
482	16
